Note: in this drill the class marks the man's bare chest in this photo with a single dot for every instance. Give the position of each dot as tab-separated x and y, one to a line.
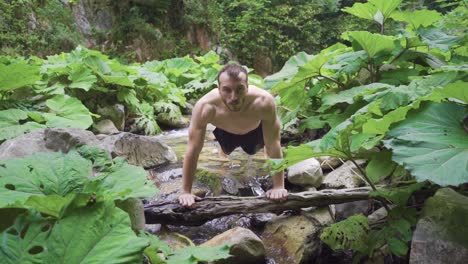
237	123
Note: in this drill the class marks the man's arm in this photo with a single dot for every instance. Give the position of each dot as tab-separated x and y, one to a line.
196	137
271	136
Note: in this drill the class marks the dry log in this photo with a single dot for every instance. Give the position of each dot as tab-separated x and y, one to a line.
171	212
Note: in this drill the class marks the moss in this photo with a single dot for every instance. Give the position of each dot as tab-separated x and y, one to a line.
210	179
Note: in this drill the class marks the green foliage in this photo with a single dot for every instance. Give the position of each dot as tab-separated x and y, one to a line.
26	28
398	100
432	144
67	206
347	234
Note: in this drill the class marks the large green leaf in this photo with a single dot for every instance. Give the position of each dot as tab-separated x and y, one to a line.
67	112
41	174
18	74
289	69
457	90
377	10
194	254
24	241
122	181
82	77
380	166
348	96
351	233
10	125
373	44
417	18
362	10
100	233
436	38
432	144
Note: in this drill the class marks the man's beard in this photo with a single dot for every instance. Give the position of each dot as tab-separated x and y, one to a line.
234	108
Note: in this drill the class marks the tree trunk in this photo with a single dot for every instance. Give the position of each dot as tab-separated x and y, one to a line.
171	212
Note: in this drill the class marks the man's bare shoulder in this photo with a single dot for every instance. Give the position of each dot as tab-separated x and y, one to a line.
263	100
205	106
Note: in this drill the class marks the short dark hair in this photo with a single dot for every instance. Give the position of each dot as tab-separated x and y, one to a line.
233	70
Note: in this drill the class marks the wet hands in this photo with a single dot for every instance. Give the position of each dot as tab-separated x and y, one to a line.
188	199
277	194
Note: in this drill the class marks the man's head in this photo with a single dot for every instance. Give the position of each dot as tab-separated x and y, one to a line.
233	86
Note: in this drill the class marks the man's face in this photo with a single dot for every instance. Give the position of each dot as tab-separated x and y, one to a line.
233	90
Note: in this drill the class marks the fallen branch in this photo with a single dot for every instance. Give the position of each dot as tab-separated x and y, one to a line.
171	212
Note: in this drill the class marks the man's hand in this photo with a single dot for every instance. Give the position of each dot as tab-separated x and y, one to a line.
277	194
188	199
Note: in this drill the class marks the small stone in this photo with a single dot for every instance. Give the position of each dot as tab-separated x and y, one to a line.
345	176
106	127
306	173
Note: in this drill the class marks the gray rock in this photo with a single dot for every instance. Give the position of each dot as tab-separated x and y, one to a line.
329	163
441	235
345	176
180	122
139	150
116	113
46	140
306	173
143	151
346	210
246	247
295	239
106	127
63	139
23	145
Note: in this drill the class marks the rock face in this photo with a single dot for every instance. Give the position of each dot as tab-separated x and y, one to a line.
345	176
306	173
246	247
295	239
143	151
139	150
441	235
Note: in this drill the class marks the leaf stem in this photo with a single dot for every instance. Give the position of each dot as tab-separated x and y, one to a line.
398	55
333	80
368	181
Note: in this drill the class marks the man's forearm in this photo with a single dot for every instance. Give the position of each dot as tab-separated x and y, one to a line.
274	152
188	171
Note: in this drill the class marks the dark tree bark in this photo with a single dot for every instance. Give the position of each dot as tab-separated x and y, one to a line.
171	212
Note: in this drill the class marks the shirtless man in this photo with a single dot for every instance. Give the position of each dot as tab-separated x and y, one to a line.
244	116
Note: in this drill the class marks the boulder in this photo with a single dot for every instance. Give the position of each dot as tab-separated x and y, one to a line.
179	122
146	151
139	150
441	235
345	176
23	145
306	173
106	127
329	163
46	140
246	247
295	239
116	113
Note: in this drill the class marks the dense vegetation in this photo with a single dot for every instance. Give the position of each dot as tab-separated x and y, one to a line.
398	100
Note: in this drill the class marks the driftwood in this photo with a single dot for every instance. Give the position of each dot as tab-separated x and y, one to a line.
171	212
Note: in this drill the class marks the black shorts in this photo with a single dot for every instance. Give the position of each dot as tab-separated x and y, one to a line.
250	142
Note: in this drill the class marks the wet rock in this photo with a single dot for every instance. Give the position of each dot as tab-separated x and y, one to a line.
116	113
295	239
106	127
306	173
139	150
329	163
345	176
346	210
246	247
441	235
173	239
